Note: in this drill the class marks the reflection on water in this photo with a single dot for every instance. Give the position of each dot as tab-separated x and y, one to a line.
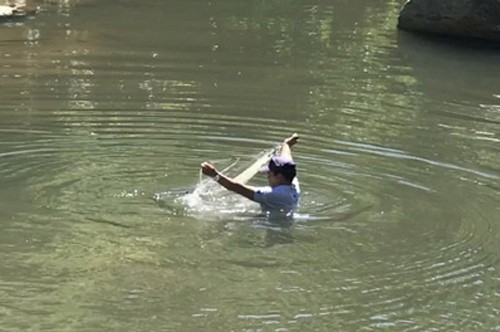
105	104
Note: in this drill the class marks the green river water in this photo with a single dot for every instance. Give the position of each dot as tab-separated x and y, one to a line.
107	105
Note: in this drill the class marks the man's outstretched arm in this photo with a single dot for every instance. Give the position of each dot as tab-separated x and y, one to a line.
228	183
286	146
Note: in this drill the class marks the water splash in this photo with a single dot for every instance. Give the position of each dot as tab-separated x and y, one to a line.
210	200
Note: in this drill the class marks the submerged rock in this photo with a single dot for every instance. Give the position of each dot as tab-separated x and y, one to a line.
462	18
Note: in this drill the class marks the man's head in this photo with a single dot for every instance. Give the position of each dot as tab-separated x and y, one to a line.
280	170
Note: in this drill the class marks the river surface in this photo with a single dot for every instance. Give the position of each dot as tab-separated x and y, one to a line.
109	107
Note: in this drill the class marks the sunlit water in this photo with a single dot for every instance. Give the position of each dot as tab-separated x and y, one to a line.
109	107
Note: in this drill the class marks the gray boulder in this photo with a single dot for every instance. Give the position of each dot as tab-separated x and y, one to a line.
463	18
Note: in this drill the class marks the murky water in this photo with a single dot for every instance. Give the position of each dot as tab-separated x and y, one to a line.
107	103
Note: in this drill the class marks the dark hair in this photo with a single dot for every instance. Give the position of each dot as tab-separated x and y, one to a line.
288	171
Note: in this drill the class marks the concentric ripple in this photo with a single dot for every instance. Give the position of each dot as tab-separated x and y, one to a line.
109	108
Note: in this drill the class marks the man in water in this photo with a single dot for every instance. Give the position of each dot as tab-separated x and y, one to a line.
283	193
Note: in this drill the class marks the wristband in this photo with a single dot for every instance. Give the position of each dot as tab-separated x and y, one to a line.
216	178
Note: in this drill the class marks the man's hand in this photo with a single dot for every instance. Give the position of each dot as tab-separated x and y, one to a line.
228	183
292	140
208	169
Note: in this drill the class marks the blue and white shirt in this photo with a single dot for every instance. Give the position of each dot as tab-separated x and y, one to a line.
284	198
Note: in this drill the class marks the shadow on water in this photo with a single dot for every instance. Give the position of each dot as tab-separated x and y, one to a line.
16	18
463	44
445	66
108	222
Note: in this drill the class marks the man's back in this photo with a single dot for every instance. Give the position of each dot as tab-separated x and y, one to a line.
279	198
